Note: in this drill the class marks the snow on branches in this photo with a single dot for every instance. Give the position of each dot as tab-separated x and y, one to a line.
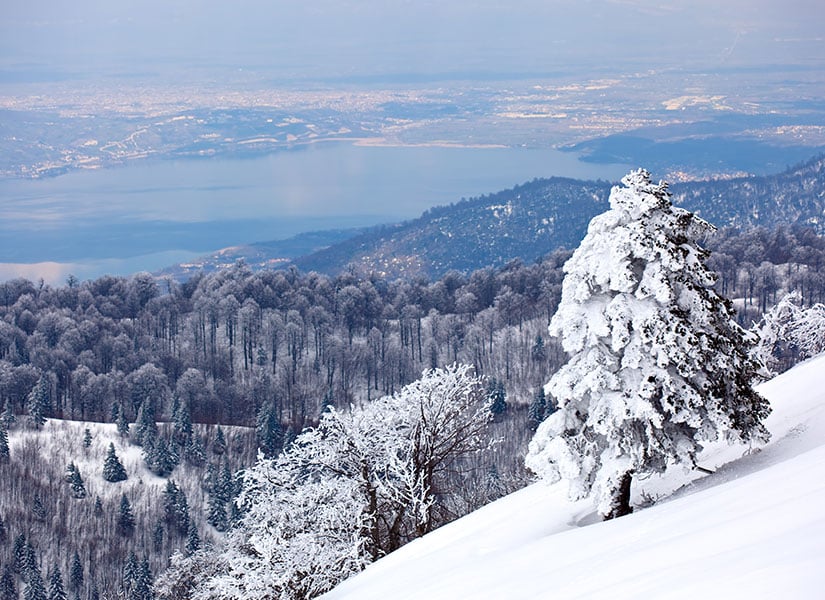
351	490
657	363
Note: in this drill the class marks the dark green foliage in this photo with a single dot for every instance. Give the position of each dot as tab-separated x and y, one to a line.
19	554
195	453
39	509
136	582
217	513
87	438
269	431
98	510
121	420
113	470
497	396
145	427
176	508
182	432
7	418
56	589
125	518
76	573
538	352
3	532
75	481
157	536
158	457
8	590
193	540
5	456
37	402
219	444
35	588
538	406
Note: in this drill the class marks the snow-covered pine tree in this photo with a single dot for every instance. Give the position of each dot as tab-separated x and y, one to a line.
37	402
56	589
112	467
657	363
8	590
125	517
8	418
4	444
76	573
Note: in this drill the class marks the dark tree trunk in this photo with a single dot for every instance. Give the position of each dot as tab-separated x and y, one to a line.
621	498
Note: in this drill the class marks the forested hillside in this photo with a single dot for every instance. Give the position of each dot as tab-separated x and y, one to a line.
543	215
268	351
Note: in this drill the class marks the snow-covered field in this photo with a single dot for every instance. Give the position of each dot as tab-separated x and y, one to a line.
753	529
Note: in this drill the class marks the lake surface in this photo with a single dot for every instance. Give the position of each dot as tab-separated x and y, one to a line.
149	214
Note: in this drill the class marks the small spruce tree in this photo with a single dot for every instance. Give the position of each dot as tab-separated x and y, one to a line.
219	444
193	540
56	589
37	402
76	573
5	454
125	518
8	589
87	438
113	470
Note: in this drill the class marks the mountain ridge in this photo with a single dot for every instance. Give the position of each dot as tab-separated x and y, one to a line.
532	219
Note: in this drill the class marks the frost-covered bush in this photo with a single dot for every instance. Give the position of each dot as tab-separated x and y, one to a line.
343	494
657	362
788	333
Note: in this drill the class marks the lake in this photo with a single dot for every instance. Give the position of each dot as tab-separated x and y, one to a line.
153	213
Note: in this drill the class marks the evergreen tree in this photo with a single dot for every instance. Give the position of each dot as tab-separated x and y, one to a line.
87	438
35	588
219	444
37	402
657	363
497	397
19	554
56	589
121	420
5	455
217	513
195	452
125	518
157	537
8	418
537	352
8	590
142	588
176	508
39	509
3	532
76	573
98	510
94	594
157	456
269	432
145	426
193	540
113	470
75	481
182	432
535	414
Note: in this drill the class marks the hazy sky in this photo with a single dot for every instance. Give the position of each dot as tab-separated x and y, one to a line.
329	38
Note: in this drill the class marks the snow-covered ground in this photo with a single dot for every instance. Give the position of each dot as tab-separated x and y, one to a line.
753	529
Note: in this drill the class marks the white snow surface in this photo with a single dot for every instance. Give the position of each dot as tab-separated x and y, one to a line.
753	529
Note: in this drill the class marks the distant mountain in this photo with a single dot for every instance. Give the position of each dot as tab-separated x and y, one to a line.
533	219
262	255
525	222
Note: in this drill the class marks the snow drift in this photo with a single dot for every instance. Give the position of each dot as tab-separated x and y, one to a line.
753	529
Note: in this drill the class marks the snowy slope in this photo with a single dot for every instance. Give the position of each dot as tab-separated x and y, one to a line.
753	529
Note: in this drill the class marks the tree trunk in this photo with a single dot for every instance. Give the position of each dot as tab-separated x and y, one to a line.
621	498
